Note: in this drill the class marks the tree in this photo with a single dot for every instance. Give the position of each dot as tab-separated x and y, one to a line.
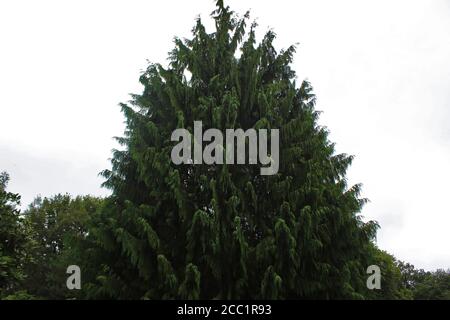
204	231
393	284
410	275
426	285
225	231
56	225
13	243
434	286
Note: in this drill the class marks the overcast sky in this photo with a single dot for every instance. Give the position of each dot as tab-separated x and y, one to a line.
380	69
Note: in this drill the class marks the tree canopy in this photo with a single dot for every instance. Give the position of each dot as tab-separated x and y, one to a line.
225	231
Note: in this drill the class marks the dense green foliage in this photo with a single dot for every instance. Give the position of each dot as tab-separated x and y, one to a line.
392	285
13	241
210	231
38	246
225	231
54	233
57	225
425	285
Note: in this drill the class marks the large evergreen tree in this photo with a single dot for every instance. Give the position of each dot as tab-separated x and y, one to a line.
225	231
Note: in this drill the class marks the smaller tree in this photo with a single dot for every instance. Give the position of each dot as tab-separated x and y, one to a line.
393	286
57	224
425	285
411	276
13	243
433	286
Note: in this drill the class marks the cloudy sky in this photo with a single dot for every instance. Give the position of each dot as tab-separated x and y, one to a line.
380	69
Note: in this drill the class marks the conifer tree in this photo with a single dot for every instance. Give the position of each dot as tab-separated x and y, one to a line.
225	231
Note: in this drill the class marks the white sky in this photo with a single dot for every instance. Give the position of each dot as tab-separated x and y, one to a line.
380	69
